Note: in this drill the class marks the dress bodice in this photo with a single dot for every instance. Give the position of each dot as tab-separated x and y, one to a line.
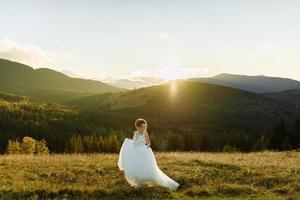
138	138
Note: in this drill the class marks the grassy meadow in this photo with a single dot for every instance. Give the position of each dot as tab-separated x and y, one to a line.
202	175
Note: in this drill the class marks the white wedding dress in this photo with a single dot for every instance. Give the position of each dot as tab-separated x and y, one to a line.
139	164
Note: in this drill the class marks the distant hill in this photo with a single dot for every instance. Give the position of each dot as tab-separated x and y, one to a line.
46	84
128	84
193	105
257	84
134	84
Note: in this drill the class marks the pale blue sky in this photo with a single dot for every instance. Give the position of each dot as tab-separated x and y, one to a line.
100	39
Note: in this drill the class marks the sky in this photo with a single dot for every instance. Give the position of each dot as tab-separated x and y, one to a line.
111	39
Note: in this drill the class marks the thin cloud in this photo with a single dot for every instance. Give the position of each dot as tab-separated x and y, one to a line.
163	35
167	73
205	70
25	53
72	73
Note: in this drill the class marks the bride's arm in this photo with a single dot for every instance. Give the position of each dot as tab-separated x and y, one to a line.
148	143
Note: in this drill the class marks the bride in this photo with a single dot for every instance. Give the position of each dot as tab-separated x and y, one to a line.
137	160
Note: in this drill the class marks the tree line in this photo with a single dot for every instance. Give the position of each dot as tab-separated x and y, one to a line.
68	130
236	140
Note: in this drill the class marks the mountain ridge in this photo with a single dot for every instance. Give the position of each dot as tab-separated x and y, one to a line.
21	79
259	84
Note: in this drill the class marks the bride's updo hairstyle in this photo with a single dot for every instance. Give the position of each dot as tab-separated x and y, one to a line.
139	122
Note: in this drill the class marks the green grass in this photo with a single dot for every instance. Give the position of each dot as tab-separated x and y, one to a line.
262	175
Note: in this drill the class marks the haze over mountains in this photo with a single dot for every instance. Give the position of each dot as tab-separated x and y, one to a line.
138	83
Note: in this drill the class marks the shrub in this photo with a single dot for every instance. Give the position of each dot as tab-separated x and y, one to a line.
14	147
27	146
41	147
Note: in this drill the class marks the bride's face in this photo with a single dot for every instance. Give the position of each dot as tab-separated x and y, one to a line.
142	128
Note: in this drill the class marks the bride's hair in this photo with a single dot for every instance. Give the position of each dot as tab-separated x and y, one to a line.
139	122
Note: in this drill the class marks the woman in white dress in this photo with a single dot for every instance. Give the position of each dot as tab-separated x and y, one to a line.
137	160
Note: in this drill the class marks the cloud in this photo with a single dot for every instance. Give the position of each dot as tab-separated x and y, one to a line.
137	74
205	70
163	35
25	53
149	79
161	74
76	73
58	42
172	72
72	73
142	76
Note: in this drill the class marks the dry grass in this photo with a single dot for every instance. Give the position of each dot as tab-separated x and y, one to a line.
262	175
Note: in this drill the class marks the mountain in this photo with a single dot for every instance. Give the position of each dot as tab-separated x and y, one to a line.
257	84
128	84
46	84
189	105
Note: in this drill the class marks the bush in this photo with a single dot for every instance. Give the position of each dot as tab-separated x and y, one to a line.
27	146
41	147
14	147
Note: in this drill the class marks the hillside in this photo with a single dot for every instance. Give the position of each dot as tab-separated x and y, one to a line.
292	96
258	84
53	122
190	105
45	84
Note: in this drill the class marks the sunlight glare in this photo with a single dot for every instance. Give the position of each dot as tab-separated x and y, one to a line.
173	88
172	73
